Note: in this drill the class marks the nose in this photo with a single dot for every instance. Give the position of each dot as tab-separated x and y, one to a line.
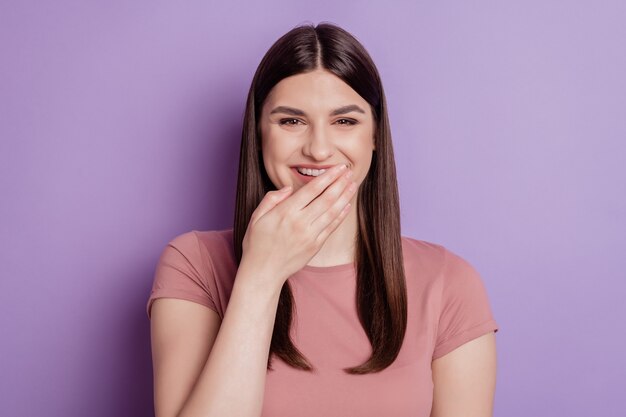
319	144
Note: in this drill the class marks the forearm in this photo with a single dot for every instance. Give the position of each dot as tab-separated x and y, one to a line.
232	382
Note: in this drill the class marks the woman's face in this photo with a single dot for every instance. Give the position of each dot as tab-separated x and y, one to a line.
315	120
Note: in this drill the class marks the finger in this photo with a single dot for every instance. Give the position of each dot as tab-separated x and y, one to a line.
326	200
302	197
324	233
269	201
333	209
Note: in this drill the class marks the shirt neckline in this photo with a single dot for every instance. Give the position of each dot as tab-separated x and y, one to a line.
329	269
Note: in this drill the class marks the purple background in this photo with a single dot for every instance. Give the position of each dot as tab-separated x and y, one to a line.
120	128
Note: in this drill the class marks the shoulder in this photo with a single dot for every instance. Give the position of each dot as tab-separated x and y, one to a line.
187	270
193	240
202	248
421	255
418	247
445	265
458	285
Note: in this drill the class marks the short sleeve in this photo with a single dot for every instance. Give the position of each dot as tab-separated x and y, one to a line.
465	313
181	273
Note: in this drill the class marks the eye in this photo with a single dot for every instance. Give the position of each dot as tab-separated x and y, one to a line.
350	122
288	122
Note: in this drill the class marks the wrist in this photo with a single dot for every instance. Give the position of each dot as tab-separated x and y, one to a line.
259	278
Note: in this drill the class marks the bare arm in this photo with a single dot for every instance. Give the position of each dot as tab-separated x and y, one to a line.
201	371
182	333
465	380
232	383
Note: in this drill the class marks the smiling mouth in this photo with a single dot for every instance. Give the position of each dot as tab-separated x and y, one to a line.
301	176
311	172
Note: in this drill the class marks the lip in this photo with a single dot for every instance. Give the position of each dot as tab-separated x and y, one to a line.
313	166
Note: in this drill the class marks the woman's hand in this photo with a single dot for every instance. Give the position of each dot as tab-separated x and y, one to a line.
287	229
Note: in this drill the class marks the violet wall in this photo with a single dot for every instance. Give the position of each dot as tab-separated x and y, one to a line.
120	126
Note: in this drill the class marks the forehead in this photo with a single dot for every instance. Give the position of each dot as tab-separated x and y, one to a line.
319	89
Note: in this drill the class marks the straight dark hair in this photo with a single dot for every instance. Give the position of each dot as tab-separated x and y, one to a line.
381	287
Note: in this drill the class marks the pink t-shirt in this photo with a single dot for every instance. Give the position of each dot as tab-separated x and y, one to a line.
447	307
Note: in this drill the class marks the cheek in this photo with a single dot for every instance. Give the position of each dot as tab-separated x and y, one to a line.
365	163
268	146
361	152
275	153
360	146
266	156
277	147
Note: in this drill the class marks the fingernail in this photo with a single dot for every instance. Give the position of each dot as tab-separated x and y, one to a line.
342	167
285	189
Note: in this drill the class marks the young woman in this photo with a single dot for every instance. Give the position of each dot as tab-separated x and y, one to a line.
314	304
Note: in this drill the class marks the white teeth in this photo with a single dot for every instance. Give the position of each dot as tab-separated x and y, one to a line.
311	172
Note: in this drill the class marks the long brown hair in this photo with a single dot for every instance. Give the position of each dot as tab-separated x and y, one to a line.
381	287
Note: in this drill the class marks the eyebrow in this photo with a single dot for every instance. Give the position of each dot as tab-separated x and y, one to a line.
297	112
